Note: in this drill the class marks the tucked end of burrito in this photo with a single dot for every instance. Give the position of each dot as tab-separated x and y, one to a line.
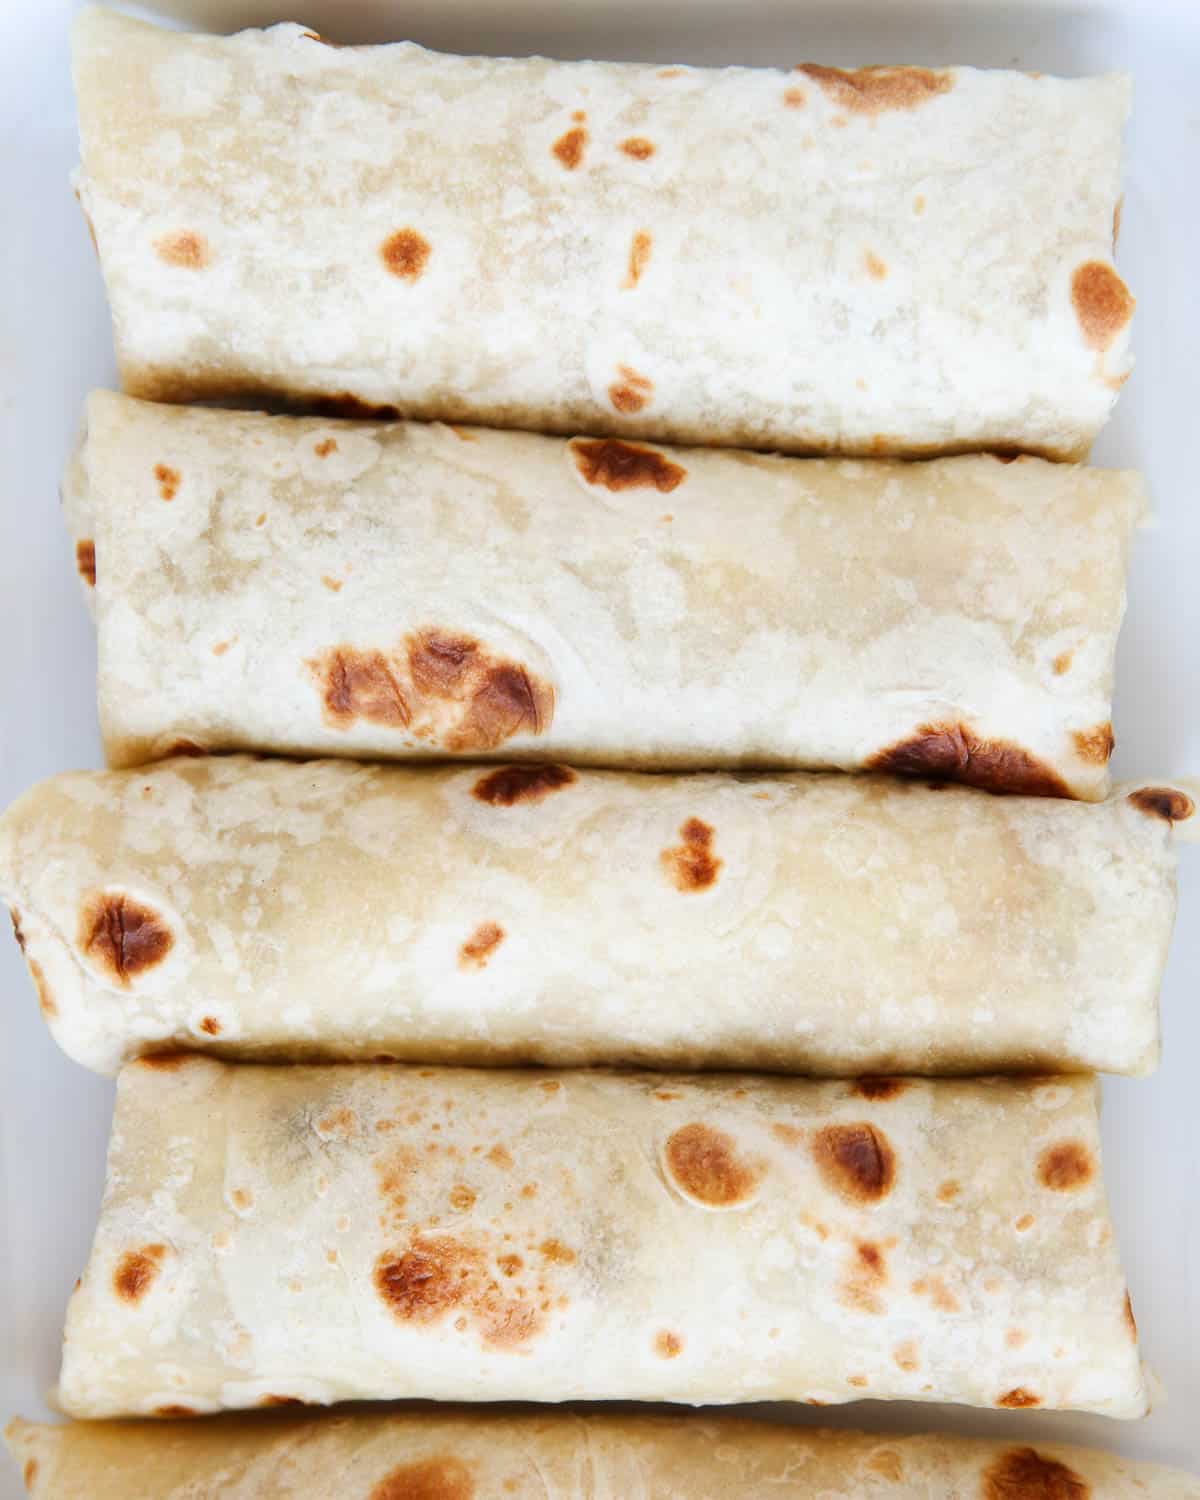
75	497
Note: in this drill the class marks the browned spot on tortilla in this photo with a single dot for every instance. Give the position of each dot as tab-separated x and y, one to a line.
183	248
948	1191
281	1401
691	865
876	268
919	204
1168	803
579	116
886	1463
550	1086
359	685
174	1410
242	1199
121	936
163	1062
437	1275
29	1472
667	1345
462	1198
470	700
440	1478
1015	1338
794	98
639	258
480	946
334	585
405	253
1118	206
325	447
669	72
872	91
185	747
338	1123
392	1172
704	1163
855	1161
168	481
1062	662
556	1252
1102	303
1066	1167
905	1355
210	1026
880	1088
954	752
790	1135
15	918
1130	1320
569	147
499	1156
1025	1222
618	465
1018	1398
869	1258
135	1272
1024	1474
860	1381
1095	745
260	520
85	561
510	1264
638	147
866	1276
937	1291
631	392
512	784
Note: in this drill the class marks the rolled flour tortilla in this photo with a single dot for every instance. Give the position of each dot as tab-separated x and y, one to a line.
532	913
308	588
893	260
376	1231
455	1455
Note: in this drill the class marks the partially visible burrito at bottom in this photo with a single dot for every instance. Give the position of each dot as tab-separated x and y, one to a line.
323	1234
456	1455
534	913
397	591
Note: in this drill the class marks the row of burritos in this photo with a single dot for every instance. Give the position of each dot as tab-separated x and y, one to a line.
550	720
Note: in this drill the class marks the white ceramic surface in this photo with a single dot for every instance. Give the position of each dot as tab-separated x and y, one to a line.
55	344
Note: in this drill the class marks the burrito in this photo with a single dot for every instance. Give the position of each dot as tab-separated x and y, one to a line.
382	591
454	1455
533	913
320	1234
888	260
